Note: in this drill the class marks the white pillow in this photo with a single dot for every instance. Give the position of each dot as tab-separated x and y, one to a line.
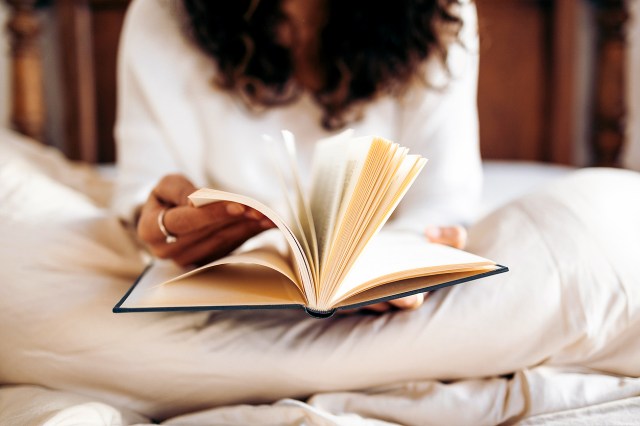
20	152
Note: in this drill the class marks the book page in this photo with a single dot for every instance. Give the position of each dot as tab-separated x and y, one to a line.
328	173
361	208
392	256
267	257
284	179
369	188
225	285
396	289
303	272
284	161
304	208
373	219
337	165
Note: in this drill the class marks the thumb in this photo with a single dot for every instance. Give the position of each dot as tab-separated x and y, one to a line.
453	236
173	190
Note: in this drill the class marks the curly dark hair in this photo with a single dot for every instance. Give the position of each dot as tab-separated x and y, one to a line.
367	48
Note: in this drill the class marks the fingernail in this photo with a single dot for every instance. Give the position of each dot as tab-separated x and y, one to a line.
455	236
450	231
403	303
235	209
412	302
253	214
433	232
266	224
406	301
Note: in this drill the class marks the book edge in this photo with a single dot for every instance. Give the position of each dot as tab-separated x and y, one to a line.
312	313
499	270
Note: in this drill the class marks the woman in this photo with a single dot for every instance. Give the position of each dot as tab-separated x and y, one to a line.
571	300
253	67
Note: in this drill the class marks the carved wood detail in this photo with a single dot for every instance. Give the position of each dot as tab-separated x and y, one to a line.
513	96
563	93
27	111
610	107
526	101
89	34
74	19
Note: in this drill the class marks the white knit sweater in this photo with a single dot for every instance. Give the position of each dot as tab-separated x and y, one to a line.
171	118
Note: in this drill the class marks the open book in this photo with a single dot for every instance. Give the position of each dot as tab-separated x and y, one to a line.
333	255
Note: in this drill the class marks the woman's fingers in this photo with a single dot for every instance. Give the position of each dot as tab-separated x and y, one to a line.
185	243
409	302
378	307
220	242
185	220
453	236
202	233
181	217
174	190
164	250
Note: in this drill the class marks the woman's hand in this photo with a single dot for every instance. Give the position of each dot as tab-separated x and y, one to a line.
202	234
454	236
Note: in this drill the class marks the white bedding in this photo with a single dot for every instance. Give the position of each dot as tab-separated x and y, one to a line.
565	320
504	181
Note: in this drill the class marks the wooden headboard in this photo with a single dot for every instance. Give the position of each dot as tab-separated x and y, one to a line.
532	90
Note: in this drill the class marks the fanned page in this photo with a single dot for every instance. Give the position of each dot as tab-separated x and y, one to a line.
373	221
285	164
303	270
331	172
376	183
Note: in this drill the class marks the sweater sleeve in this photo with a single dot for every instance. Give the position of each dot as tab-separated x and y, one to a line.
441	124
155	130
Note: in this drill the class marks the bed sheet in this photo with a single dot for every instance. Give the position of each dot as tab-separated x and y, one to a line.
537	394
407	404
504	181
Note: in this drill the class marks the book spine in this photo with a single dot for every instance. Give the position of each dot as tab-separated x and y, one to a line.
319	314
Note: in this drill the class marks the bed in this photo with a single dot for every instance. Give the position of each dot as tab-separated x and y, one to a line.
540	142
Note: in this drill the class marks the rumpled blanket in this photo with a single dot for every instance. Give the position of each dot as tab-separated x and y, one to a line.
559	332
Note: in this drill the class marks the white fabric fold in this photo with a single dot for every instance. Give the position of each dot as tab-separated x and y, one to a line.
570	301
